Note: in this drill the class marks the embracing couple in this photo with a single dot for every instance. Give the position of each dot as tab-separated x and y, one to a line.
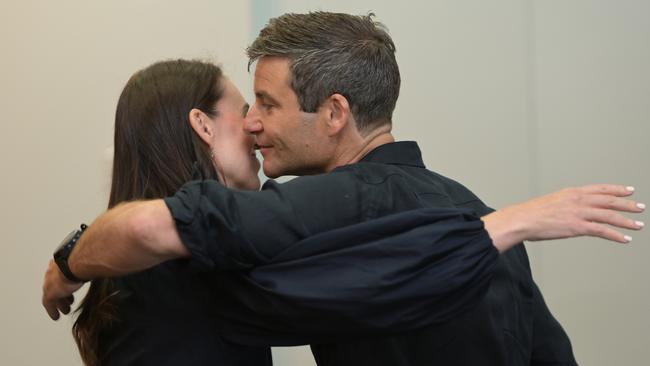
367	256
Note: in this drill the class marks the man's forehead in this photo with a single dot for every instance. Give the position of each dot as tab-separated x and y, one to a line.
273	70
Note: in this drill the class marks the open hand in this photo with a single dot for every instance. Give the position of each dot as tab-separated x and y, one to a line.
593	210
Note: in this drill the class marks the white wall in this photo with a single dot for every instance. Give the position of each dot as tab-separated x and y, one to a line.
592	87
63	66
512	98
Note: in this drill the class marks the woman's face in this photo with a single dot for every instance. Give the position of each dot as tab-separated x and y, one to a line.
234	152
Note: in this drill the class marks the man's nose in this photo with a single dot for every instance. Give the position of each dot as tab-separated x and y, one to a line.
252	122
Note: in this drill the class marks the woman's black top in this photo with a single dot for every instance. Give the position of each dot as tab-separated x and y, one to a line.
165	317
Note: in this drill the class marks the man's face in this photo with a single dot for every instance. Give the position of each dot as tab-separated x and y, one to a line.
292	142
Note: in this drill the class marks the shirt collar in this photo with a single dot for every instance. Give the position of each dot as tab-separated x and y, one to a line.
398	153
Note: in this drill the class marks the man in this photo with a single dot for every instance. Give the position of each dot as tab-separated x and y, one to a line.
326	86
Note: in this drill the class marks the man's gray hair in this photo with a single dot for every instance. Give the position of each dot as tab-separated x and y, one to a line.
336	53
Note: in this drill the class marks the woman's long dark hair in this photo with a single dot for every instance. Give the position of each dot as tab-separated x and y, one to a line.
155	150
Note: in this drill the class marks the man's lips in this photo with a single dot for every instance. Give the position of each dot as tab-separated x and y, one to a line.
262	148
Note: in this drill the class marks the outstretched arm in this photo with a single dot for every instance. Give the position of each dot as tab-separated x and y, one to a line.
135	236
593	210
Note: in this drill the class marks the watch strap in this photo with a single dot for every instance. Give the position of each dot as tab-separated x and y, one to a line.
65	269
62	254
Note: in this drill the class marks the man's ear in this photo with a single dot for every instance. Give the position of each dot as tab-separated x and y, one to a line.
339	114
200	125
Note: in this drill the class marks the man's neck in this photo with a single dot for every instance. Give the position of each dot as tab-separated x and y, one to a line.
361	147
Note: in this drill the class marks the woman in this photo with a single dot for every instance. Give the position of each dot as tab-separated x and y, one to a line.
172	117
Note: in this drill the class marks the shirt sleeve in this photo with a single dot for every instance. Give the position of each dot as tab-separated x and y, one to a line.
226	229
293	268
393	274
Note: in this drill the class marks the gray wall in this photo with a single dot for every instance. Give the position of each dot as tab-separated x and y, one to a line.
63	66
512	98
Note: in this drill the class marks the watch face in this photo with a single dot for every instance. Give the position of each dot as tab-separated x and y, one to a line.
66	240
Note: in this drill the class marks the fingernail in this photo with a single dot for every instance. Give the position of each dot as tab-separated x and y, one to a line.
640	205
627	238
639	223
630	188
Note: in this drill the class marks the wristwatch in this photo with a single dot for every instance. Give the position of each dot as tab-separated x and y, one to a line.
63	251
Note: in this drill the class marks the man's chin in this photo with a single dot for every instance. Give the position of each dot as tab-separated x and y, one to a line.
271	171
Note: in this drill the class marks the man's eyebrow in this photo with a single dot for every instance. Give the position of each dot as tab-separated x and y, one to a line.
265	95
245	108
